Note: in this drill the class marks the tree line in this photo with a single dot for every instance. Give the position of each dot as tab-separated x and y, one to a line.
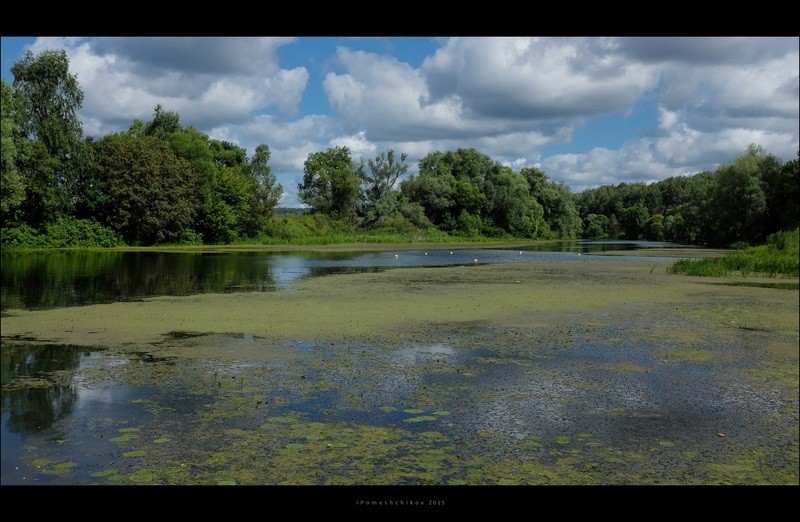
162	182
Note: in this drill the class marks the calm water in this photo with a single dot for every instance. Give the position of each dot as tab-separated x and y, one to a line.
76	415
38	280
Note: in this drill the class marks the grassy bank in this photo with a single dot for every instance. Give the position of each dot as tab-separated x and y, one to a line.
778	257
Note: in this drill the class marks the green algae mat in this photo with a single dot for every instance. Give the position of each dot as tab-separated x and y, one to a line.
529	373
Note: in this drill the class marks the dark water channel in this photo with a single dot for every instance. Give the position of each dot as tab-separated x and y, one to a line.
41	280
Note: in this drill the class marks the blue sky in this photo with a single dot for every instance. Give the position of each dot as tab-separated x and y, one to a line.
588	111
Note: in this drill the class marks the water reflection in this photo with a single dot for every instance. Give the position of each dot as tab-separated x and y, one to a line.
37	388
36	280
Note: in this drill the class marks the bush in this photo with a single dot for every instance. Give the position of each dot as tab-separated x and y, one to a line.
66	232
187	236
22	235
71	232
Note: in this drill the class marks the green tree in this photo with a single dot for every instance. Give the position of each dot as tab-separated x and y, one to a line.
781	188
331	183
739	202
225	204
450	188
12	186
50	99
88	194
633	221
44	197
596	226
510	206
434	193
377	184
266	192
557	201
151	192
163	125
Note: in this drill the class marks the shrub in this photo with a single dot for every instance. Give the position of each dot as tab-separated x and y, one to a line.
66	232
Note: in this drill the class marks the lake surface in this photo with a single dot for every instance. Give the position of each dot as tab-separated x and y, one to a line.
643	392
41	280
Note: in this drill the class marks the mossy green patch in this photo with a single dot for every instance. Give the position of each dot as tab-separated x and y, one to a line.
125	437
161	440
771	373
692	355
141	476
562	439
420	418
60	468
752	467
40	463
134	454
414	411
26	382
625	367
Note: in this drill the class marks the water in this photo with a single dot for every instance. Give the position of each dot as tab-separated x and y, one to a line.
41	280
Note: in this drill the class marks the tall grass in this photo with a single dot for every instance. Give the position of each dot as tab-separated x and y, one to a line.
778	257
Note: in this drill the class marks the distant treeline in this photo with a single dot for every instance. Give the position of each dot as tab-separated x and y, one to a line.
161	182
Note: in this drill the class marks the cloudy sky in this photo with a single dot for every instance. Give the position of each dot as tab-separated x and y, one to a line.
588	111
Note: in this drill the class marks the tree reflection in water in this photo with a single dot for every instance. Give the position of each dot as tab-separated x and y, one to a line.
34	408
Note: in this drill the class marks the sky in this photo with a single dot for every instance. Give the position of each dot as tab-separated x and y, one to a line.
587	111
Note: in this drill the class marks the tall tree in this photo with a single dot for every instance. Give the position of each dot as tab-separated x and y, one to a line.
377	184
557	201
50	98
739	202
268	191
384	172
330	183
12	186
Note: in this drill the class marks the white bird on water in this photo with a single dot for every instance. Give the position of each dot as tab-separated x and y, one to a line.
475	260
396	256
451	253
426	253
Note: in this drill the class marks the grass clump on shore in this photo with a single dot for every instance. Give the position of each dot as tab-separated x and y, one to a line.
778	257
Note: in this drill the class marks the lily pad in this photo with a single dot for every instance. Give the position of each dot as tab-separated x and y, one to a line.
414	411
162	440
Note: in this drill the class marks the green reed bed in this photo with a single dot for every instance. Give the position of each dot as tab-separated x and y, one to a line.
778	257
